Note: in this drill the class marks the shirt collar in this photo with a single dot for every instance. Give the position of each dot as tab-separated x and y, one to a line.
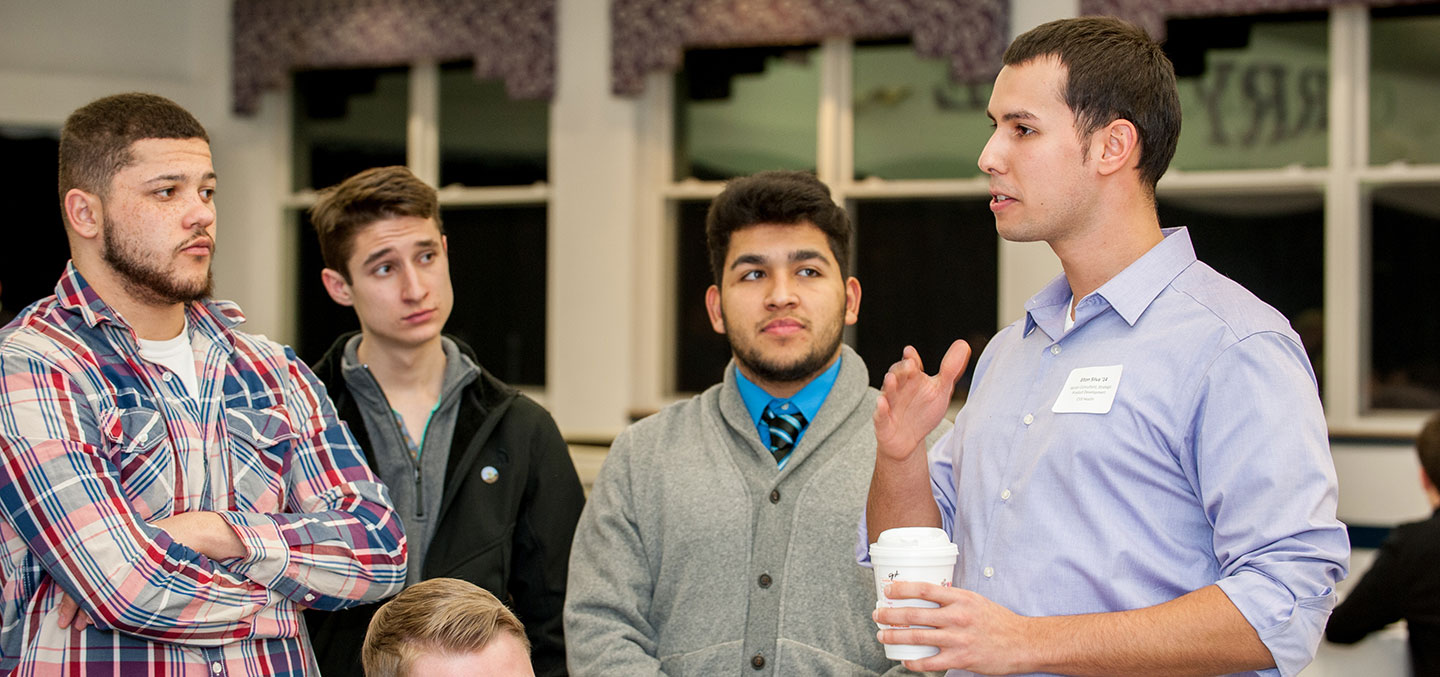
1130	292
75	294
808	400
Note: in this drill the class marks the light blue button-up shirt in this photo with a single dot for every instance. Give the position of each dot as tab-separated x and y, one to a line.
1211	464
808	401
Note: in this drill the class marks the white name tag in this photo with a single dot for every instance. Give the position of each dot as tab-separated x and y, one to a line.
1089	390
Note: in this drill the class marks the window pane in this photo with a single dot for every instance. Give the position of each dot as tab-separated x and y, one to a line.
1252	91
740	111
497	267
319	320
347	121
36	233
1404	313
487	138
911	121
928	275
700	353
1273	245
1405	86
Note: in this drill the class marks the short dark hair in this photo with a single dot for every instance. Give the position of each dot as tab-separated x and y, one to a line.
1428	446
346	208
778	197
96	139
435	616
1114	71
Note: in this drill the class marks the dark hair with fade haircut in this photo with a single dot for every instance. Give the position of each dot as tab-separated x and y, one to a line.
96	139
1114	71
775	197
1428	446
348	207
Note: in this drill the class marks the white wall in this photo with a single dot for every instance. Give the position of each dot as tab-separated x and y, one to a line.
56	55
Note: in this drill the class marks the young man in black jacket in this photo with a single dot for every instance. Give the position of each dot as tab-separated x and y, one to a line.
478	472
1404	581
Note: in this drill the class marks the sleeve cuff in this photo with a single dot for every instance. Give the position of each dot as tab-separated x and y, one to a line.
1289	627
267	554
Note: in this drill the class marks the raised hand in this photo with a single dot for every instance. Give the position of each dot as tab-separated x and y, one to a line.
912	403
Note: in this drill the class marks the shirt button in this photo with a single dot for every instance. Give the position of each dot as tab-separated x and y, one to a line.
757	661
989	572
765	580
1029	418
309	597
1055	350
1005	495
216	667
774	495
168	376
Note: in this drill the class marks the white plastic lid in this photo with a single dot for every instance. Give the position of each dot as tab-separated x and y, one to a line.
914	542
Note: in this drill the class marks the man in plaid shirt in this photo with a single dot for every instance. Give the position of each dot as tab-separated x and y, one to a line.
172	490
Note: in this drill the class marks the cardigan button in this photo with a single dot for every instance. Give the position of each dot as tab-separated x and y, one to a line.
765	580
774	495
757	661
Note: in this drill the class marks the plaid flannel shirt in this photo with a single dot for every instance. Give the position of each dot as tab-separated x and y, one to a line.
96	444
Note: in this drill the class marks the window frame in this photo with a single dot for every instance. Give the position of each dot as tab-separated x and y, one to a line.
1025	267
422	157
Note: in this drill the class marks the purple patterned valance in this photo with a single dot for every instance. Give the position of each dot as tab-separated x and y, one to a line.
651	35
1151	14
509	39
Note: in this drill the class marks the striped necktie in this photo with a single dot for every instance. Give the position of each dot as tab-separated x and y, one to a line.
784	430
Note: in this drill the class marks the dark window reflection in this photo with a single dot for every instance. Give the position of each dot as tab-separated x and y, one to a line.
700	353
36	235
487	138
1404	315
1273	245
928	276
346	121
497	269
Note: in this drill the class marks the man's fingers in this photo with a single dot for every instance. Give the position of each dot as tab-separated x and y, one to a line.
919	590
82	620
66	610
953	364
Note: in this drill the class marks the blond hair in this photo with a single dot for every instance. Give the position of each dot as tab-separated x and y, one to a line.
441	615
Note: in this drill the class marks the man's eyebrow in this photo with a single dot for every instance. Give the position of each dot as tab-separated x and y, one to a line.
209	176
747	260
807	255
376	255
1017	115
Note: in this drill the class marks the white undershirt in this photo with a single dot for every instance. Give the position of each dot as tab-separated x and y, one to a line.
1069	317
174	354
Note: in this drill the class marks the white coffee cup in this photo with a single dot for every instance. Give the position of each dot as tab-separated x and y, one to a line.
922	554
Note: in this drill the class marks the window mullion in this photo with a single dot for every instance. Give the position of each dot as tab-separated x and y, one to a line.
422	133
1346	237
835	125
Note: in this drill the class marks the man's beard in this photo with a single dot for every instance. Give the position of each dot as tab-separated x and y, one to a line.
148	281
774	372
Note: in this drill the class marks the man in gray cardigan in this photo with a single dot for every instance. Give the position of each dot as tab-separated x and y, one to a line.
719	535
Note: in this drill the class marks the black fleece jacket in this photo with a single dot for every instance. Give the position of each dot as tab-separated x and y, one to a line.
510	536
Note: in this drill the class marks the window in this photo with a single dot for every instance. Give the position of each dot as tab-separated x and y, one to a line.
488	153
900	154
37	242
1324	203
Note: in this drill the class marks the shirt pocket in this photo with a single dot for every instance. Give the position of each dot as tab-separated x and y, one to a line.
261	441
138	446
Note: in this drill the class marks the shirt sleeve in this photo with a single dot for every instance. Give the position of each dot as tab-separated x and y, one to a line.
1259	457
339	543
62	502
611	584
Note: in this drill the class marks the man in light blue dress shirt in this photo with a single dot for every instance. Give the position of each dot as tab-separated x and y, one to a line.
1140	481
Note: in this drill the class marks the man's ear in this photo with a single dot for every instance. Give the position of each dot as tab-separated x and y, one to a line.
1119	146
852	300
84	212
712	307
337	287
